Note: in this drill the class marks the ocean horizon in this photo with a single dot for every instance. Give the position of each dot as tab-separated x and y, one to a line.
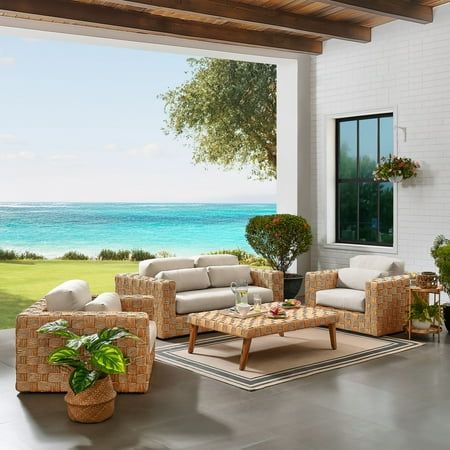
53	228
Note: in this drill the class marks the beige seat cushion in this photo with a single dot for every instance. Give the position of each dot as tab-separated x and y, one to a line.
390	266
108	301
187	279
355	278
216	298
71	295
339	298
150	267
216	260
152	334
221	276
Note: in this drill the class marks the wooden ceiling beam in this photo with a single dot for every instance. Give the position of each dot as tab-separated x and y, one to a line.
95	14
246	13
398	9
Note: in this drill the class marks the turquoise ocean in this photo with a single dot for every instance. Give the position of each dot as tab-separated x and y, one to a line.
184	229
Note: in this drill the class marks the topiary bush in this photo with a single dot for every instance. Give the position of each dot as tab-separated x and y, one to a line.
74	256
441	254
279	238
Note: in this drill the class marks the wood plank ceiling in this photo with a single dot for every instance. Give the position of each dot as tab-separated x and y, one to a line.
293	25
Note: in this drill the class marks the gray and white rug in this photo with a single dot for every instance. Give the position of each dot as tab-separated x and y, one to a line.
274	359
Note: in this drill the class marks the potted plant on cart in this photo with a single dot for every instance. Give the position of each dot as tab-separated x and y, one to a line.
280	239
395	169
441	255
92	359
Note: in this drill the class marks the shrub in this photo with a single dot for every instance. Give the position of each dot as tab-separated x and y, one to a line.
107	254
30	255
243	257
441	254
279	238
123	255
140	255
8	255
164	254
72	255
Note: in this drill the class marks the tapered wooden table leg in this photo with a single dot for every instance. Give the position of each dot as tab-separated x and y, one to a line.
244	353
192	337
332	330
281	333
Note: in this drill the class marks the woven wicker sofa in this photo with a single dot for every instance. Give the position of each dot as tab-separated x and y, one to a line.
35	374
385	300
168	322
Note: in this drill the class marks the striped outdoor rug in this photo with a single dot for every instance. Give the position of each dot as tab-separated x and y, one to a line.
274	359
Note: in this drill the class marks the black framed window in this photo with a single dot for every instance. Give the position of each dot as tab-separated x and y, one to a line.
364	207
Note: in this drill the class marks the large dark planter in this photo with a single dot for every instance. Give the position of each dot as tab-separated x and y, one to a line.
292	284
446	309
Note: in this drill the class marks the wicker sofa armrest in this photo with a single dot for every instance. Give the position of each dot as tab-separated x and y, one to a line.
33	372
318	281
138	303
271	279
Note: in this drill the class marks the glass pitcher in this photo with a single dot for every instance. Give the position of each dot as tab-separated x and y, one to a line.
240	290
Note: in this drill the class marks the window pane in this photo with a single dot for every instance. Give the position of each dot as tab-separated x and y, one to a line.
368	145
348	217
347	149
386	213
368	212
386	136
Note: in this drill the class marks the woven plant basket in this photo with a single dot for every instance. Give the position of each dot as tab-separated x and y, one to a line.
93	405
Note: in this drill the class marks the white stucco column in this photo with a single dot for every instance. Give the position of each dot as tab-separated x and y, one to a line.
294	142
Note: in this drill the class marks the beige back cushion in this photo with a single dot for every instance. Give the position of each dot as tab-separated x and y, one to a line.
221	276
151	267
216	260
108	301
389	266
187	279
353	278
71	295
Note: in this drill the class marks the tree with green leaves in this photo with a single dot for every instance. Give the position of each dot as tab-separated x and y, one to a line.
227	112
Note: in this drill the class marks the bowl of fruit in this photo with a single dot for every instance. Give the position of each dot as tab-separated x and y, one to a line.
291	303
276	312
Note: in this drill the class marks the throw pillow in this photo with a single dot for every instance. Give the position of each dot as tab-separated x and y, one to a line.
71	295
108	301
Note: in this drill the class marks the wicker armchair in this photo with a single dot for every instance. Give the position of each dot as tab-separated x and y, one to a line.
168	322
35	374
385	303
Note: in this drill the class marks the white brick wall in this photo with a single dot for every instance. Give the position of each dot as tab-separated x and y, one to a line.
405	68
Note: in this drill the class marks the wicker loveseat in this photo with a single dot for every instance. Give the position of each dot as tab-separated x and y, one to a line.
384	299
35	374
168	322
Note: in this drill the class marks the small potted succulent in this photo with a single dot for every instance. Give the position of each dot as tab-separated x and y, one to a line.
423	315
280	239
441	254
92	358
395	169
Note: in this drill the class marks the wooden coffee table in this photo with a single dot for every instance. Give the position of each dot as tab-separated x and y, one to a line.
251	327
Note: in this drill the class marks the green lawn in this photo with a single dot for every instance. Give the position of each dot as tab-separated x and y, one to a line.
24	282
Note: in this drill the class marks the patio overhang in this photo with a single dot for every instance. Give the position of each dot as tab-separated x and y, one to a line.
298	26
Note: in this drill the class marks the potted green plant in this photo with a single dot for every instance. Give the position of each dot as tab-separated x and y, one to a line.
423	315
395	169
92	359
280	239
441	255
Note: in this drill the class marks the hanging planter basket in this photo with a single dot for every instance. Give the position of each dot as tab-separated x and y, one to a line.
395	169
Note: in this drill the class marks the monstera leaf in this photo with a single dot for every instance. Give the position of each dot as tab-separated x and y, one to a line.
81	379
109	359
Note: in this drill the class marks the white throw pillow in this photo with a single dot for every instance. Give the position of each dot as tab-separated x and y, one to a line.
187	279
221	276
216	260
151	267
352	278
387	265
71	295
108	301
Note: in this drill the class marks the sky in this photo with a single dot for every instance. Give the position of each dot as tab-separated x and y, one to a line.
83	122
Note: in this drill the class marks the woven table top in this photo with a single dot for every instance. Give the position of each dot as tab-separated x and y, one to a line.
250	327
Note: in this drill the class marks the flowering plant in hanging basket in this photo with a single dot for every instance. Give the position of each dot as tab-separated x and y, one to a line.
395	169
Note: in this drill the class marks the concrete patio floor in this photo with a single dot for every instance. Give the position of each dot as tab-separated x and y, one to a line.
396	402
